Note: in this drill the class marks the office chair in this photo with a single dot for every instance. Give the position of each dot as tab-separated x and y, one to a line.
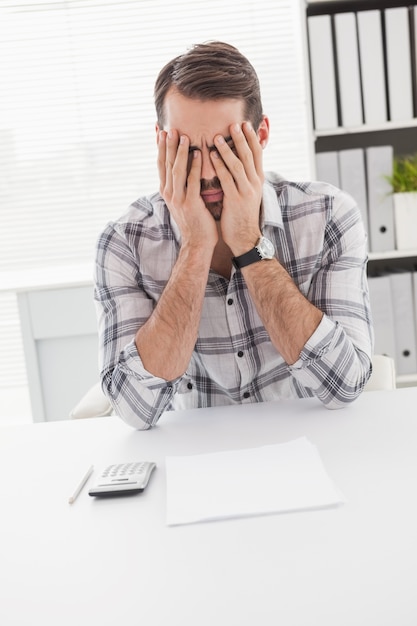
93	404
383	373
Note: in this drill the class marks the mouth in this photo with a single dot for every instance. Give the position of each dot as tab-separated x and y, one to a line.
212	195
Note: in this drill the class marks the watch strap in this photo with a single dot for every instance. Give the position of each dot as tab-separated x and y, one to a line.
246	259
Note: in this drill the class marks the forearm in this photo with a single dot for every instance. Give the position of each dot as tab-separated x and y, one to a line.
289	318
166	341
321	356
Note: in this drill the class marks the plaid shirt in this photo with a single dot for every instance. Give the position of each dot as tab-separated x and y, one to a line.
319	238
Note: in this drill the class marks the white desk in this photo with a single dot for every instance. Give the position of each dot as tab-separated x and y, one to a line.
108	562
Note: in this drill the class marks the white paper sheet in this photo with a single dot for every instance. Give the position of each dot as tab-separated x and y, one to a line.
270	479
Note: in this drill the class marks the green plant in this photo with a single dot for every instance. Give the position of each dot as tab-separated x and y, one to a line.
404	174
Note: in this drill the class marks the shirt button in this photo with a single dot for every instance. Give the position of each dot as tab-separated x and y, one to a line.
189	385
246	394
230	301
240	353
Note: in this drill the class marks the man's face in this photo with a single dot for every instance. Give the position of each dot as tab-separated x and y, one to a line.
201	121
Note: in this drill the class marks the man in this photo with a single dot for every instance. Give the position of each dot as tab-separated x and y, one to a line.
228	286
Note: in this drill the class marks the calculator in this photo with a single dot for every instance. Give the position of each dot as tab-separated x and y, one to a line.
123	478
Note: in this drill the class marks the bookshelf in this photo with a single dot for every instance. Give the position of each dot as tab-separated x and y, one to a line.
362	66
391	255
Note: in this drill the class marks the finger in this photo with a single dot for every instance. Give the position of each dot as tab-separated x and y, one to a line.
170	156
194	176
246	144
161	160
172	146
226	178
255	147
179	170
232	162
227	149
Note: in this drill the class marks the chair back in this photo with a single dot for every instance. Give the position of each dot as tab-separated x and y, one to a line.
383	373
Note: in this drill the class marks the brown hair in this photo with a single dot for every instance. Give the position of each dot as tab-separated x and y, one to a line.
211	71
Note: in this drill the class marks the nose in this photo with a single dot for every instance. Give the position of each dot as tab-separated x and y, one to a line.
207	170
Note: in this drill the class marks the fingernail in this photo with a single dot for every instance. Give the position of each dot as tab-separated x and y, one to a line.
237	128
220	140
170	133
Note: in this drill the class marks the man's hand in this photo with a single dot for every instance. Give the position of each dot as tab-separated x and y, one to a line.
166	341
180	189
241	176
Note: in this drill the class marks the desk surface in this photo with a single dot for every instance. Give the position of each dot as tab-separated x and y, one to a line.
107	562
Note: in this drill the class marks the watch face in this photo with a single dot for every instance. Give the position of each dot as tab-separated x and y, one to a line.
265	248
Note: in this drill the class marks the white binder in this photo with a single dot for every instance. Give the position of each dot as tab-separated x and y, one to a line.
415	38
379	161
415	300
353	179
399	64
323	78
382	315
404	322
348	69
327	167
372	66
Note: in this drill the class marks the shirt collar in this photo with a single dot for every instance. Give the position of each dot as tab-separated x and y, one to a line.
270	203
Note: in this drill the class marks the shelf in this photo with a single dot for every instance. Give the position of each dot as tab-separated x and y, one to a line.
392	254
325	7
345	53
365	129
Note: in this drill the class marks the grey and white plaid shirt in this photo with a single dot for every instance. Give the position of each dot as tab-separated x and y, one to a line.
319	238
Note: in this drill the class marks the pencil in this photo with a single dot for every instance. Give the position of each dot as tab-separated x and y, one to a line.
76	493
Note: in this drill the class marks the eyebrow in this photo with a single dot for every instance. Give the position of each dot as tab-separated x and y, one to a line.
228	140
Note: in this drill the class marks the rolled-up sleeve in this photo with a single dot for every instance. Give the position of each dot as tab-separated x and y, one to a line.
335	362
122	306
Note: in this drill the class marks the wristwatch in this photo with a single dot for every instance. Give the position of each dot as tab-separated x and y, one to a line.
264	249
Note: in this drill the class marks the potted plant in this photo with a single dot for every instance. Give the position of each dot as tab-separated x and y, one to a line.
404	188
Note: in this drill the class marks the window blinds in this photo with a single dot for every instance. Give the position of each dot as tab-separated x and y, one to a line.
77	142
